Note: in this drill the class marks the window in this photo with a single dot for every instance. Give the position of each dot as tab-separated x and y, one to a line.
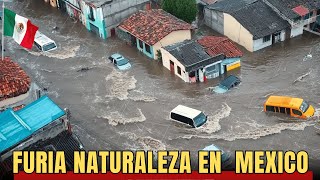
296	112
307	16
282	110
266	38
270	108
91	16
148	49
181	118
48	47
288	111
276	109
179	70
140	44
297	19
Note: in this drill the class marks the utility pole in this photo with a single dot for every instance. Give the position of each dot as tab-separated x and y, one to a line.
2	19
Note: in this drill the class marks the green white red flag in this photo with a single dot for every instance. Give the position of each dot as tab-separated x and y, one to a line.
20	28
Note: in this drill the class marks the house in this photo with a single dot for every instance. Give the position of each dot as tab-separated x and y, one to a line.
15	84
299	13
215	46
74	9
103	16
152	29
41	125
250	23
189	61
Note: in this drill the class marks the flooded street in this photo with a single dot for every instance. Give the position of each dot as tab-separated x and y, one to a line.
130	110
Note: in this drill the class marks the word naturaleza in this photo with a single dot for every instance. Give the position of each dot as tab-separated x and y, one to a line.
159	162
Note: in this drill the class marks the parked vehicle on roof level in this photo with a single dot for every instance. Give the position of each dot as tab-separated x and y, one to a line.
119	61
295	107
43	43
190	116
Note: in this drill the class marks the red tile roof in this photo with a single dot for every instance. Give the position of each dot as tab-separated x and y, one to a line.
215	45
153	25
13	80
301	10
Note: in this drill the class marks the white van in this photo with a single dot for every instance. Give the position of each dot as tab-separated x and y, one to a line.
44	43
192	117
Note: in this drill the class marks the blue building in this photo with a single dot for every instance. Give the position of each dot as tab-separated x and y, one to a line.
18	126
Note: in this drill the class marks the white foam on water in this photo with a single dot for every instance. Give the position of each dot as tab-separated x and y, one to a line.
143	98
316	115
121	84
212	125
255	133
147	143
115	118
300	78
60	53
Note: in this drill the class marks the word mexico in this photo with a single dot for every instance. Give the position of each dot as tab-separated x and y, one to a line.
271	162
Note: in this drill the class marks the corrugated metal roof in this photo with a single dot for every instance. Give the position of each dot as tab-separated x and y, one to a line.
19	125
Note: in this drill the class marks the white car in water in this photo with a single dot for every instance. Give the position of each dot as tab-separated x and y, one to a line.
119	61
43	43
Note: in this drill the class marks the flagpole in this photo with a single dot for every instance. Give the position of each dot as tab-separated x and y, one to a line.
2	49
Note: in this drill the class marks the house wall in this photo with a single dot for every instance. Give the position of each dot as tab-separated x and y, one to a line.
166	57
259	44
209	73
214	19
116	12
237	33
75	11
296	30
142	48
230	63
98	20
13	100
172	38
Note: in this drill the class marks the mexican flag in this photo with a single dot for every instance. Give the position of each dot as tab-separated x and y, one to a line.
20	28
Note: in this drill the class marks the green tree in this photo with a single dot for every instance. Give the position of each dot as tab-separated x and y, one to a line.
183	9
169	6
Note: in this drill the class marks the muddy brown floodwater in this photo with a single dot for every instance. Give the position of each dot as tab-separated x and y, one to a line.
130	110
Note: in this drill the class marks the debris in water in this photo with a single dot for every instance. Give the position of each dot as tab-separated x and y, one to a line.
307	57
84	69
301	77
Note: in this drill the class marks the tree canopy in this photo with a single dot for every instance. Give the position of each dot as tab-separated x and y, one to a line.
182	9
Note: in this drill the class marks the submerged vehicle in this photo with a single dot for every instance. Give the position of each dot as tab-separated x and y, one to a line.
225	85
190	116
295	107
119	61
225	157
43	43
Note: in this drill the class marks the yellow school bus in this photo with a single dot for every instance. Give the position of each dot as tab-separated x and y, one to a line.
295	107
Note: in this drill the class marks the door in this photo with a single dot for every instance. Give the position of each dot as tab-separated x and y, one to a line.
296	113
133	41
113	32
276	37
171	66
94	29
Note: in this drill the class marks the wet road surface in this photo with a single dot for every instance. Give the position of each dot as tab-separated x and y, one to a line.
130	110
